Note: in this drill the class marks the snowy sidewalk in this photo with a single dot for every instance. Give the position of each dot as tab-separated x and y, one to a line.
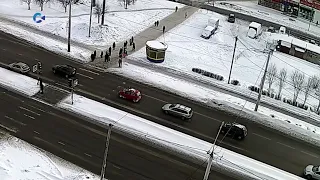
140	39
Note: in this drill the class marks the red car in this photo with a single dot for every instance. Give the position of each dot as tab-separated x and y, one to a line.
130	94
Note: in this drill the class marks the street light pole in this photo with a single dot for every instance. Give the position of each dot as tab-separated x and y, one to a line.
103	11
90	18
206	174
263	80
69	33
234	51
103	170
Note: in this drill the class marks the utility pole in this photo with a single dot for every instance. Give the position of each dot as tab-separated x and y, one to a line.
126	4
69	33
103	11
90	17
263	79
206	174
104	165
234	51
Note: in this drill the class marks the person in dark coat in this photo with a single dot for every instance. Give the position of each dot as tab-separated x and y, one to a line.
92	57
133	46
158	23
110	51
120	52
120	62
155	23
163	29
101	54
95	53
114	45
106	57
176	8
41	85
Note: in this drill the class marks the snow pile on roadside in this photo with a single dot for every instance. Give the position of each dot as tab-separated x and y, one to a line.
234	163
280	122
120	23
20	160
18	82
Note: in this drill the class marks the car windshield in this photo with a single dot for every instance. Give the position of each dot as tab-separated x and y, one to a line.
172	105
315	168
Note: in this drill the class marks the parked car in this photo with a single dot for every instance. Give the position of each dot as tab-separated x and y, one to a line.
178	110
271	29
255	29
64	70
234	130
19	67
208	32
282	30
312	172
231	18
130	94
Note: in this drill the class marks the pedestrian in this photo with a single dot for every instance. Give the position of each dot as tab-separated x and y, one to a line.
95	53
114	45
41	86
101	54
120	62
176	8
106	57
130	40
126	43
185	15
120	52
155	23
163	29
317	23
133	46
92	57
110	51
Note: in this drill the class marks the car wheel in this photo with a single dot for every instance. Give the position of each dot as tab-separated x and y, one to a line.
240	137
166	112
120	96
67	75
222	132
183	118
54	71
135	100
309	176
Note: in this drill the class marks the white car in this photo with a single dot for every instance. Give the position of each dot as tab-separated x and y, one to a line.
312	172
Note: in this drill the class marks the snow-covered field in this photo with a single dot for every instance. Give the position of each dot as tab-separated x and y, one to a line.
174	140
22	161
253	9
187	50
120	23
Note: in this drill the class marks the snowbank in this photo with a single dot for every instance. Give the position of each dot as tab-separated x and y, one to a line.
18	82
20	160
244	167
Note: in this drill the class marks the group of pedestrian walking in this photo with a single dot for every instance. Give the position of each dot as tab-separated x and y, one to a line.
123	50
156	23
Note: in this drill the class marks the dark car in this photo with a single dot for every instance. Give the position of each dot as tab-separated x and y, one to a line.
130	94
234	130
271	29
64	70
231	18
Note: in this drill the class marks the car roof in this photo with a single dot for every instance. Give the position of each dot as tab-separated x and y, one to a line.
21	64
183	107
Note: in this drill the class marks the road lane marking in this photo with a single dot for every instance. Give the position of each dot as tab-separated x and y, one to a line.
21	123
89	71
9	129
155	98
234	146
61	143
29	116
286	145
87	155
261	136
36	132
29	110
37	108
19	54
117	167
207	116
85	76
13	97
310	154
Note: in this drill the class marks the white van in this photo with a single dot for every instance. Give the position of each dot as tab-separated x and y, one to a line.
208	32
254	30
214	22
282	30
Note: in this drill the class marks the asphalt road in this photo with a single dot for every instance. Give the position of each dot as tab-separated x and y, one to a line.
262	144
83	143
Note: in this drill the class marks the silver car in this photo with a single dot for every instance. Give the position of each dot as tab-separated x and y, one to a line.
312	172
19	67
178	110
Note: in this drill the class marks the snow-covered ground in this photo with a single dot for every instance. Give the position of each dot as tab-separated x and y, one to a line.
23	84
22	161
187	50
253	9
120	23
174	140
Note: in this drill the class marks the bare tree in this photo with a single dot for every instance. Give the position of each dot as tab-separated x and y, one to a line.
98	11
271	75
297	80
282	79
41	3
28	2
65	4
311	84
